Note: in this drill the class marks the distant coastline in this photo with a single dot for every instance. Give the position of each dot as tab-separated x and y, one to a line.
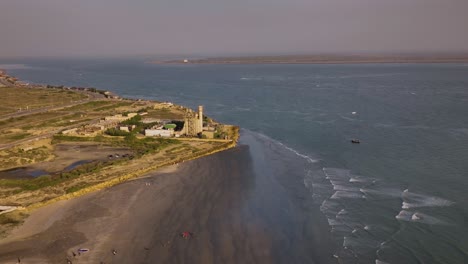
323	59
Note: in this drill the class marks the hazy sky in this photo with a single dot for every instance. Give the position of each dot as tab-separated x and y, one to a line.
225	27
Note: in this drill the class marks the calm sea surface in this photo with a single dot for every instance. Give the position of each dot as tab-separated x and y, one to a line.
401	196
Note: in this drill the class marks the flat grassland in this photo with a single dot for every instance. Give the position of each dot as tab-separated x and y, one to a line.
16	99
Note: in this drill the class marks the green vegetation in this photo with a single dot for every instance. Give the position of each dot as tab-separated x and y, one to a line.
64	138
9	220
10	158
117	105
147	145
165	113
18	136
29	185
59	115
56	179
116	132
140	146
89	105
77	187
15	98
219	134
136	120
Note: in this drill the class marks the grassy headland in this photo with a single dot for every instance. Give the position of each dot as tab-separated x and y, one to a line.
58	142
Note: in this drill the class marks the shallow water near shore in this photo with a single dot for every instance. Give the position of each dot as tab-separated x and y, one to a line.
22	173
398	197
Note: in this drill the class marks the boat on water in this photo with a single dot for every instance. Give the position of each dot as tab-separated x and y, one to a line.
355	141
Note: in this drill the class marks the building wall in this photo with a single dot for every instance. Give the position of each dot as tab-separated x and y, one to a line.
158	132
208	134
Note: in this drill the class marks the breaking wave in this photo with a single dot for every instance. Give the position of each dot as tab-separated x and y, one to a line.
360	210
307	158
415	200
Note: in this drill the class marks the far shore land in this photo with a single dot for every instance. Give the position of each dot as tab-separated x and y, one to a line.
59	143
323	59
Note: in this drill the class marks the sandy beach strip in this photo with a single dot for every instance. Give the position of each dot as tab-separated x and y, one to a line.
237	208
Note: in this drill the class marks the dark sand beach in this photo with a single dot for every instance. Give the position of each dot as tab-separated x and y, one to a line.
244	205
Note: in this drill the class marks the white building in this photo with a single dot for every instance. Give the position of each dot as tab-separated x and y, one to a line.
158	133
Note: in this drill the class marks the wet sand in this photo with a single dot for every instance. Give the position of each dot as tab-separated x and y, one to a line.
244	205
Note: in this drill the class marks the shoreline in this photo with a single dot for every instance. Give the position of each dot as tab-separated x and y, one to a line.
235	211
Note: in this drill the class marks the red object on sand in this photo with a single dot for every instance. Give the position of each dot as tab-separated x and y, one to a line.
186	234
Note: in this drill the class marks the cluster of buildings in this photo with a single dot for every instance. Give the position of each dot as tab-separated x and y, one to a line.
193	126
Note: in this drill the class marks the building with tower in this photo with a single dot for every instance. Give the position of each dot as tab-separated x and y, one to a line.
193	122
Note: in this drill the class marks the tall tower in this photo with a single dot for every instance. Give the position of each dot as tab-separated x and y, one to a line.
200	118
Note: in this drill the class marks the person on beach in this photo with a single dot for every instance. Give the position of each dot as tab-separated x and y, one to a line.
19	260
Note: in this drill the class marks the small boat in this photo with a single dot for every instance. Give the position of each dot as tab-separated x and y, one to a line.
82	250
355	141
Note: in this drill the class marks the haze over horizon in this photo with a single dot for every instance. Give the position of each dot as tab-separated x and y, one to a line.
217	27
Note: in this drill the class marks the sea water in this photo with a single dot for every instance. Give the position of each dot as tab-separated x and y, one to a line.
398	197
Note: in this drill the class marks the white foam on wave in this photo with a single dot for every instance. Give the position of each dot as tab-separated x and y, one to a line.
418	217
338	182
350	199
307	158
251	78
404	215
380	262
338	187
347	195
349	118
361	179
342	212
415	200
336	174
330	206
333	222
388	192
